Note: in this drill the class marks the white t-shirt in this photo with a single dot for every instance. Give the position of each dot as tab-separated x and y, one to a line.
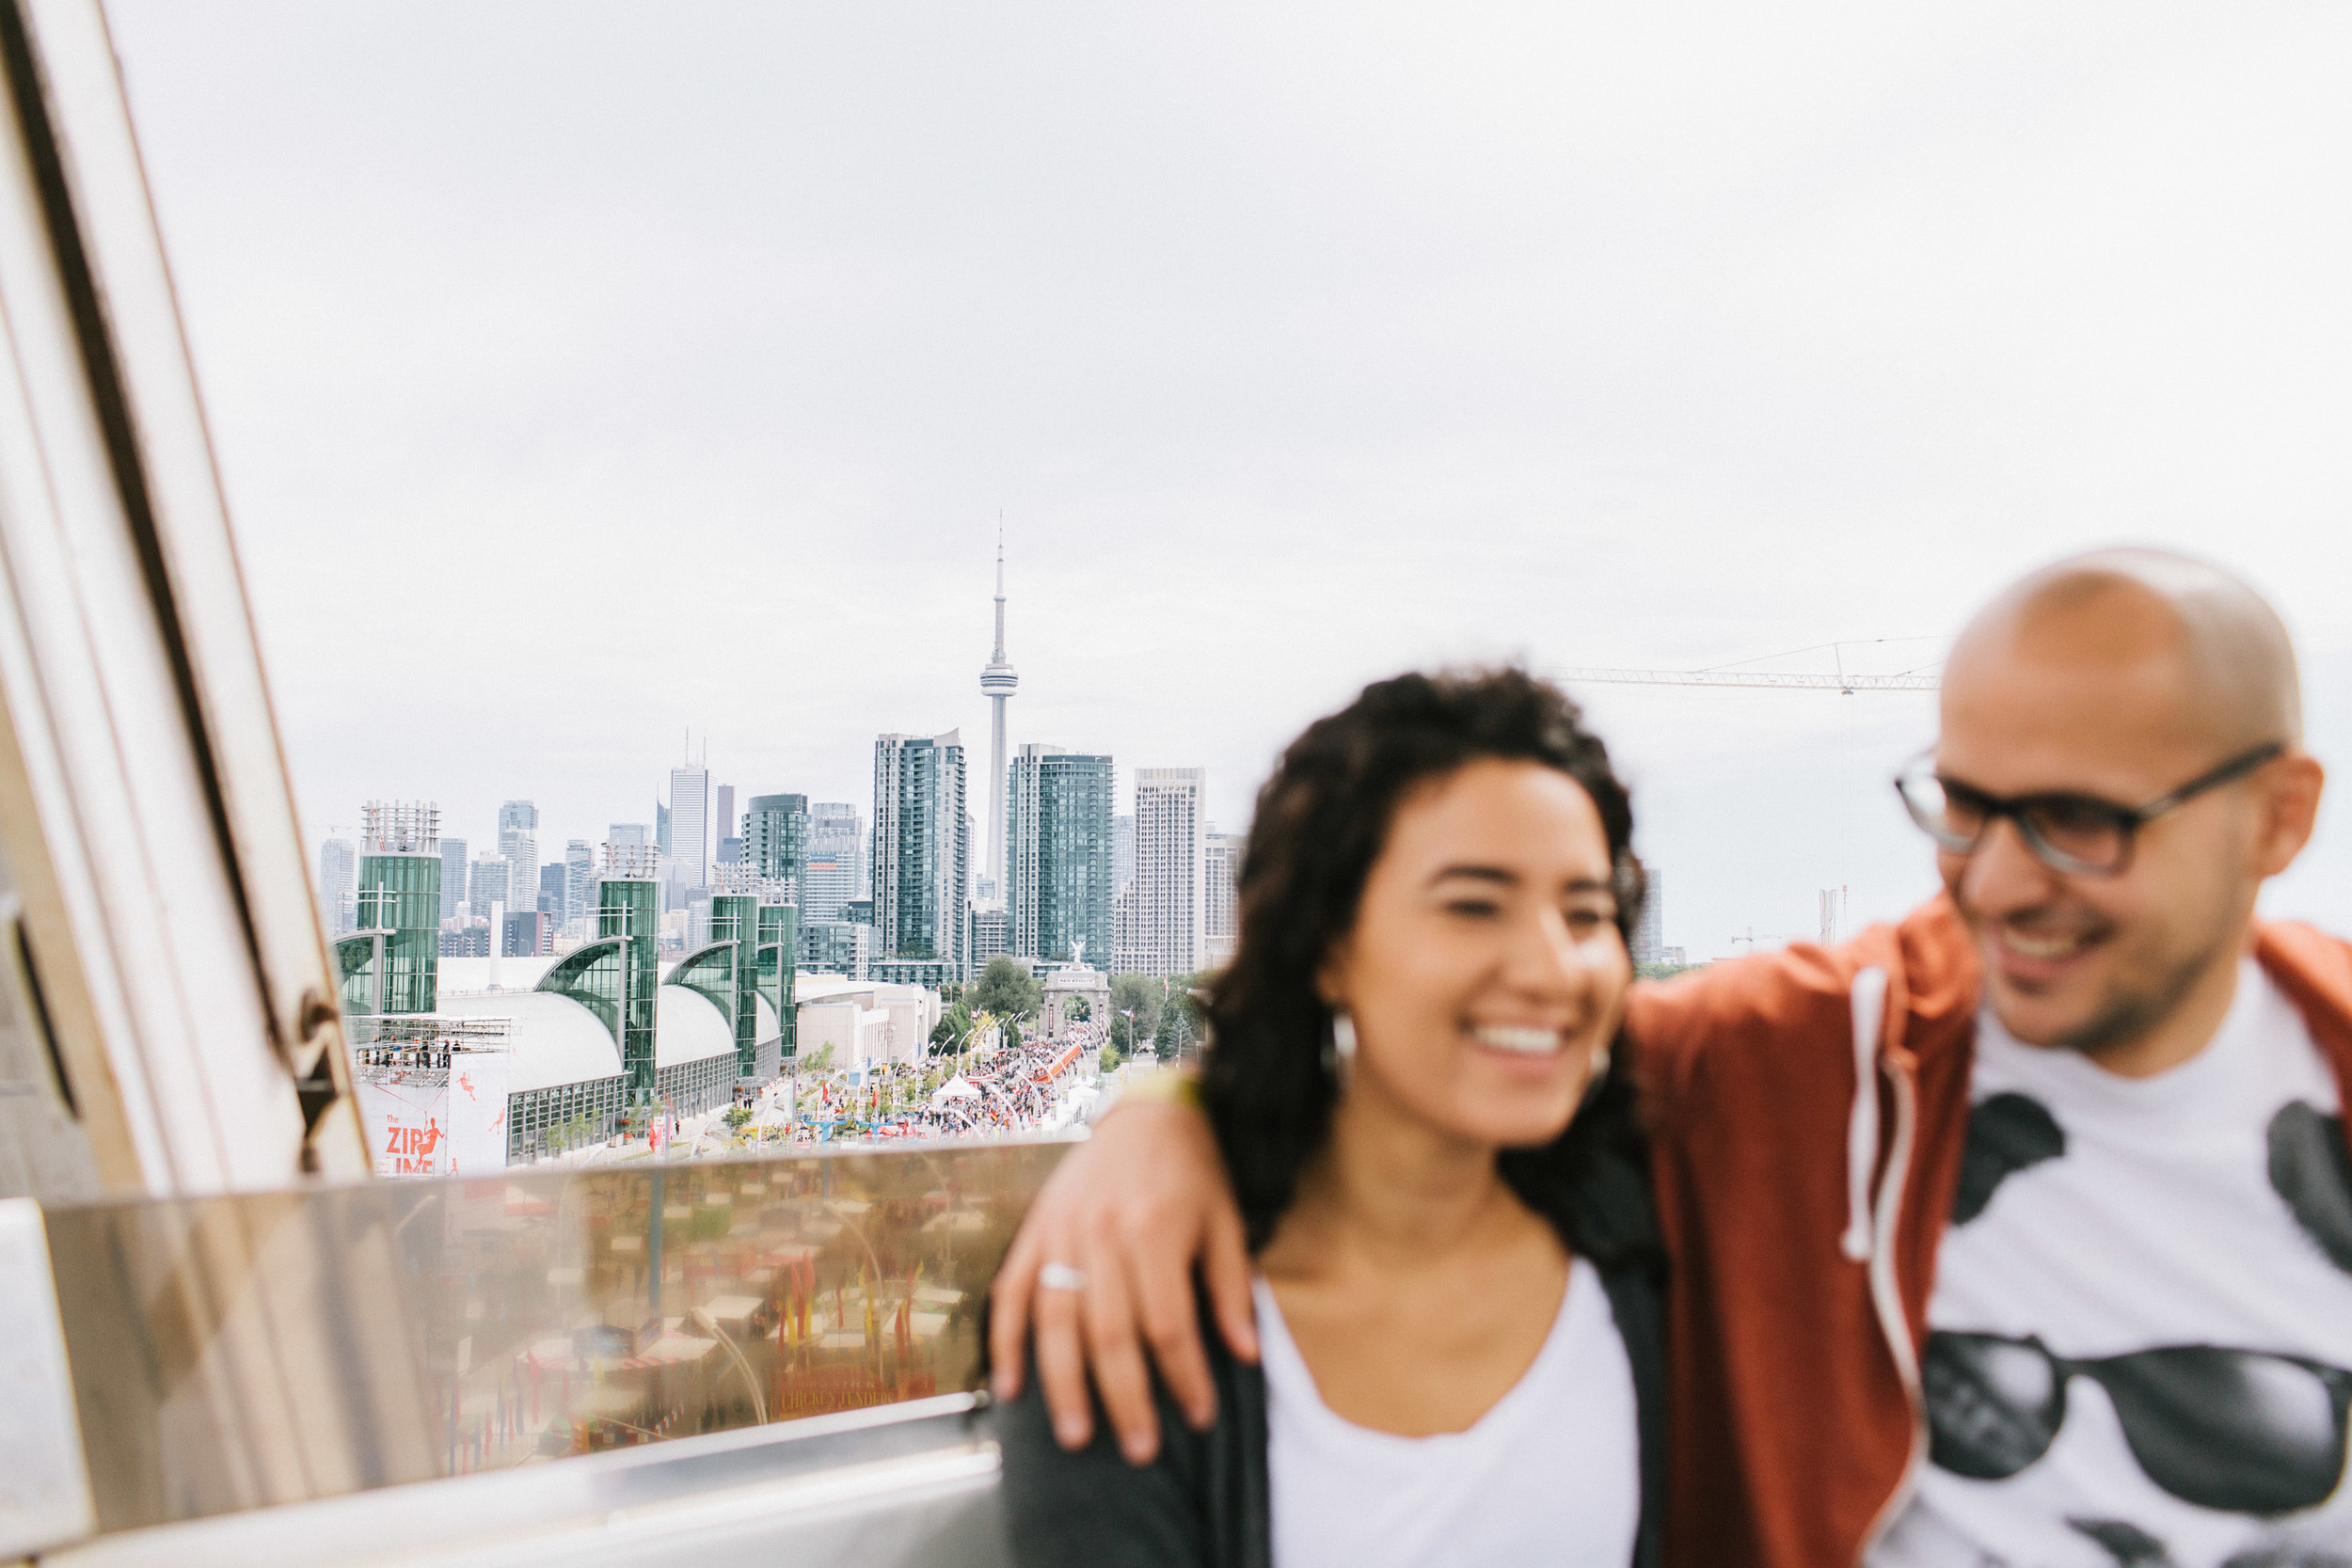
1551	1474
2119	1248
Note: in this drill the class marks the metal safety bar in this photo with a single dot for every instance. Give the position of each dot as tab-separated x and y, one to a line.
416	1332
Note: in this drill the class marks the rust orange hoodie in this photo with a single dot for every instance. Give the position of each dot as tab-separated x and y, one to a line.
1809	1109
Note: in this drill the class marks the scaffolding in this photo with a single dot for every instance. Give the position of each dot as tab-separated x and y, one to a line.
400	828
410	1049
632	863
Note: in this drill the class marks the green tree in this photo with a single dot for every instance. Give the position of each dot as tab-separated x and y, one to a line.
1077	1011
1006	989
952	1026
1139	994
823	1061
737	1117
1179	1020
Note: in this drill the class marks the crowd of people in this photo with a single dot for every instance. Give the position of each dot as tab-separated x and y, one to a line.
1037	1085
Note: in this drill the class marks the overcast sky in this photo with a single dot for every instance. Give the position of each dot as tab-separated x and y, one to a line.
583	375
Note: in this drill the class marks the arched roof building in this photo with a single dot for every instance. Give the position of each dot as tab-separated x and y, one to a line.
565	1080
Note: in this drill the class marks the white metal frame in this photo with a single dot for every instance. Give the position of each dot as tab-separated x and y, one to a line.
144	803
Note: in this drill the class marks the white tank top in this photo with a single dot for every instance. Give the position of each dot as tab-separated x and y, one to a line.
1550	1474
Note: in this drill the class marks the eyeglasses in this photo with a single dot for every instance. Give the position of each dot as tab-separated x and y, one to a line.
2076	833
2242	1431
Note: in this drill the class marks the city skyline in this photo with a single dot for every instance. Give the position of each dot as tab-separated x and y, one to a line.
710	789
1065	859
1288	366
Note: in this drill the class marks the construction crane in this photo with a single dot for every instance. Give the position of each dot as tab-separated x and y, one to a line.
1846	684
1730	675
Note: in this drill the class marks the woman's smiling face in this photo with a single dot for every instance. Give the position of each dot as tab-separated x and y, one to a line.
1485	968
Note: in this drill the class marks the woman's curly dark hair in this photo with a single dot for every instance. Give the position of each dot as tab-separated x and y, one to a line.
1321	822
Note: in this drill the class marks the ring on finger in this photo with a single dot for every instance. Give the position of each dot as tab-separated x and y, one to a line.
1060	1276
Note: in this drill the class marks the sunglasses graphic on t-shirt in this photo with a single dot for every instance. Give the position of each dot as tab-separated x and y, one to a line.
2242	1431
2248	1431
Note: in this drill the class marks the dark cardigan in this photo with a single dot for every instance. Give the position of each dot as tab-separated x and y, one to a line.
1205	1502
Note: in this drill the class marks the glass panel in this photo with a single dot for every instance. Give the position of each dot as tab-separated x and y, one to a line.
592	977
423	1329
735	918
357	961
710	973
400	893
630	909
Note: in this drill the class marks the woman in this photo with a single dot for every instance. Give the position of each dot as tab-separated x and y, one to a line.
1410	1089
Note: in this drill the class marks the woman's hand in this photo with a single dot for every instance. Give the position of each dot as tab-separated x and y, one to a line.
1132	1208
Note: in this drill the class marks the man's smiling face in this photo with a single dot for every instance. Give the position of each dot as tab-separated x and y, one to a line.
2097	685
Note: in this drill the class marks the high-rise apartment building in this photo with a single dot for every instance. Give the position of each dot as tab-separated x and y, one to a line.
1162	933
339	885
1127	945
990	935
487	883
1649	937
775	841
835	948
1220	878
836	835
1123	850
466	937
922	860
555	894
579	883
518	847
452	875
690	826
1059	854
828	879
525	935
629	836
723	824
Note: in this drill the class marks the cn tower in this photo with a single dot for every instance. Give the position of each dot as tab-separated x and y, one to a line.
997	682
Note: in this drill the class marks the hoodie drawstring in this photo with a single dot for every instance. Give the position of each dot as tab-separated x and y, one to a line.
1862	1126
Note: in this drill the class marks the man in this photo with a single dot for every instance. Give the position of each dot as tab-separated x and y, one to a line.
2017	1234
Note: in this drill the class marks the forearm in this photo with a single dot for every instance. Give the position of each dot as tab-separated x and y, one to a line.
1125	1220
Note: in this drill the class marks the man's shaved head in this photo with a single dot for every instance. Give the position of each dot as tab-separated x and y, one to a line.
2113	680
2214	635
